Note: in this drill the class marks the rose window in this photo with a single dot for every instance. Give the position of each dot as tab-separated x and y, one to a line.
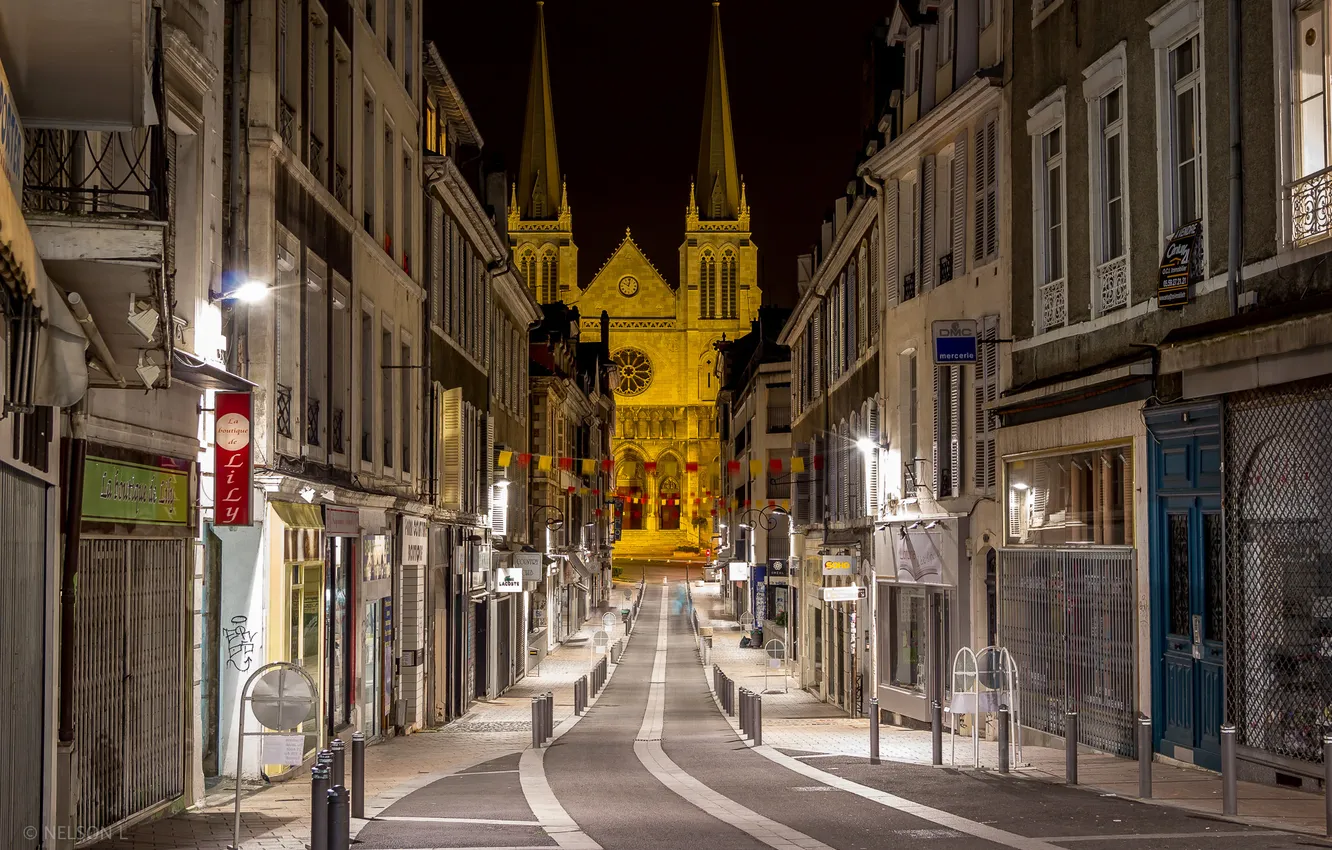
635	371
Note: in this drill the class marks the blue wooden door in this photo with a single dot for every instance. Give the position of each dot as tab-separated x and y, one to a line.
1186	559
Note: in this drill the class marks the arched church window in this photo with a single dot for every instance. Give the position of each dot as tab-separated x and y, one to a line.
707	285
669	494
728	285
631	486
550	278
635	371
527	264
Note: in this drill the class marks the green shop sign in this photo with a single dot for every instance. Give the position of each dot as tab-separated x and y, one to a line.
115	491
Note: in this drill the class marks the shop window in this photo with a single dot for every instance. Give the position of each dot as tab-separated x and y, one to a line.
1076	498
909	652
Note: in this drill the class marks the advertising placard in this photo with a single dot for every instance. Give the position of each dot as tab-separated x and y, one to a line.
839	565
509	580
116	491
530	564
234	466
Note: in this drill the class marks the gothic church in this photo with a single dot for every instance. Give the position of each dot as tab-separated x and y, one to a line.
666	445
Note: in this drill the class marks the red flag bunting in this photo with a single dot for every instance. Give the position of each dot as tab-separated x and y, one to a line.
566	463
775	465
733	466
606	463
691	466
818	461
525	460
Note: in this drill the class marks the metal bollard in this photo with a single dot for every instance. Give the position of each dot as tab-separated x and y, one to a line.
550	715
1229	782
339	750
358	775
731	685
758	720
319	807
936	733
339	827
742	712
1327	785
874	730
1145	758
1003	738
746	703
536	722
1071	748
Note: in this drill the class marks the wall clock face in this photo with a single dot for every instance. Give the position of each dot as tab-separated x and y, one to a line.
635	371
628	286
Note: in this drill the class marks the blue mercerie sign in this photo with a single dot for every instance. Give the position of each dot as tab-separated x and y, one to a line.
955	341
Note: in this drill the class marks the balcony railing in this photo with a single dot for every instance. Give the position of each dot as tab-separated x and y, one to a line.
341	185
337	436
287	123
1112	286
908	286
283	411
80	172
1054	304
316	163
779	420
312	422
1311	206
946	268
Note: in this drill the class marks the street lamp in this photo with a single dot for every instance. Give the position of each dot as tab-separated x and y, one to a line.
763	518
555	523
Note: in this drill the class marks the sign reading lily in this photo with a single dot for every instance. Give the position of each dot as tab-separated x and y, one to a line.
234	464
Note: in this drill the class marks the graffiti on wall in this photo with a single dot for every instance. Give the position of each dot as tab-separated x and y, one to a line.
240	644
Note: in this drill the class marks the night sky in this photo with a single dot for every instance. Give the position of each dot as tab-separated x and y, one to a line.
627	81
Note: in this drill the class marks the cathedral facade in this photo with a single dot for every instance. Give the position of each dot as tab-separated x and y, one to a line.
662	332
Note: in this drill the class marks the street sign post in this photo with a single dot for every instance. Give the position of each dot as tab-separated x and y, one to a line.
955	341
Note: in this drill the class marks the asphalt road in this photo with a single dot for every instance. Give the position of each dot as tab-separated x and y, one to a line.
654	766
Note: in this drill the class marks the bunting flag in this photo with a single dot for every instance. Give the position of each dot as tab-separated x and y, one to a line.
650	466
691	466
569	489
582	491
606	463
797	463
755	468
525	460
775	465
786	505
772	503
733	467
566	463
818	461
597	512
748	504
589	467
596	491
543	463
505	458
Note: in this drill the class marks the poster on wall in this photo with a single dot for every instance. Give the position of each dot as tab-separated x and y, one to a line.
1181	265
234	462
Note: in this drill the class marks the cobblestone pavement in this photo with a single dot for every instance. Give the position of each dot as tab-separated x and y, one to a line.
276	817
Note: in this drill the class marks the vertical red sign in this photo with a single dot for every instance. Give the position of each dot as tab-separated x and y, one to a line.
234	467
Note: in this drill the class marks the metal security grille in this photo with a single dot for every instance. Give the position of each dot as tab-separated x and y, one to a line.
1279	581
130	678
1067	616
22	626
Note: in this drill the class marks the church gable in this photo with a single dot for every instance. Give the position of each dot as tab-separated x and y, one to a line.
628	285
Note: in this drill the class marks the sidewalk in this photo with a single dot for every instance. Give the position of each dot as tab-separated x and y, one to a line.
278	816
799	723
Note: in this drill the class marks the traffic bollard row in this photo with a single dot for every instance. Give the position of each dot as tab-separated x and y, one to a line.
1071	748
339	819
358	775
339	750
319	806
874	730
936	733
1003	739
744	712
757	736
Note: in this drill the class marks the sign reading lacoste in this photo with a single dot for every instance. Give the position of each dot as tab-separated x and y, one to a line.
509	580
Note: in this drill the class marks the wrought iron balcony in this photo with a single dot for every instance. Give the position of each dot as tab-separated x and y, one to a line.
287	123
1311	206
342	185
908	286
337	437
779	420
312	422
1112	286
946	268
93	173
316	163
282	411
1053	305
367	447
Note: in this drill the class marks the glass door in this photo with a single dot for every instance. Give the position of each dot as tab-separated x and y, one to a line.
370	629
304	625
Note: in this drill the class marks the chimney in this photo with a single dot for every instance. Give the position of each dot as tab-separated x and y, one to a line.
804	272
497	198
839	215
825	243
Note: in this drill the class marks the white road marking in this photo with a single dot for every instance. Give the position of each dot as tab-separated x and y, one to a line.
544	805
485	821
479	773
648	749
1160	836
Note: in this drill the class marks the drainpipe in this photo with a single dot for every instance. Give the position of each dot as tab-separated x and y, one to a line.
76	449
1234	255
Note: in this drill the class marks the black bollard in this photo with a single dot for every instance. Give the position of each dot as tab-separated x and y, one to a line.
758	720
731	686
1229	780
1071	748
536	722
936	733
339	824
358	775
1003	739
1145	758
319	807
1327	785
339	750
874	730
744	712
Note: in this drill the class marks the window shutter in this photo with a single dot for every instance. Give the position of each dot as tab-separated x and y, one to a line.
488	459
499	512
959	210
936	486
862	270
890	272
927	266
818	351
436	260
979	418
819	465
450	451
955	423
855	475
991	188
978	219
873	499
872	284
990	360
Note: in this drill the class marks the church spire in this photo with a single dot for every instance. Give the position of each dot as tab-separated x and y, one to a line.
718	177
539	179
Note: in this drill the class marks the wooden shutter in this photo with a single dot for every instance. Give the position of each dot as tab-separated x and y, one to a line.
863	285
488	460
959	210
436	261
818	466
819	355
939	413
927	265
890	271
499	512
955	429
991	187
873	283
978	202
985	390
873	428
450	451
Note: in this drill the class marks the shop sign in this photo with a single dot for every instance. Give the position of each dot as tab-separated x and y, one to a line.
530	564
850	593
778	567
415	539
760	602
11	136
341	522
234	464
386	606
923	555
839	565
115	491
955	341
509	580
378	564
739	571
1181	265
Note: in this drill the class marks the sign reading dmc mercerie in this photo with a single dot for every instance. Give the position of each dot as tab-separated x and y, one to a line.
839	565
955	341
115	491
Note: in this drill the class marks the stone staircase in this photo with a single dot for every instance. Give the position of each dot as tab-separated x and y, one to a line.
650	544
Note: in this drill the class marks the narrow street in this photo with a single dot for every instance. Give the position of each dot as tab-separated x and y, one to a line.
654	764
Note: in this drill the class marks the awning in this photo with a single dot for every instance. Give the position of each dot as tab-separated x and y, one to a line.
204	375
582	568
299	516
